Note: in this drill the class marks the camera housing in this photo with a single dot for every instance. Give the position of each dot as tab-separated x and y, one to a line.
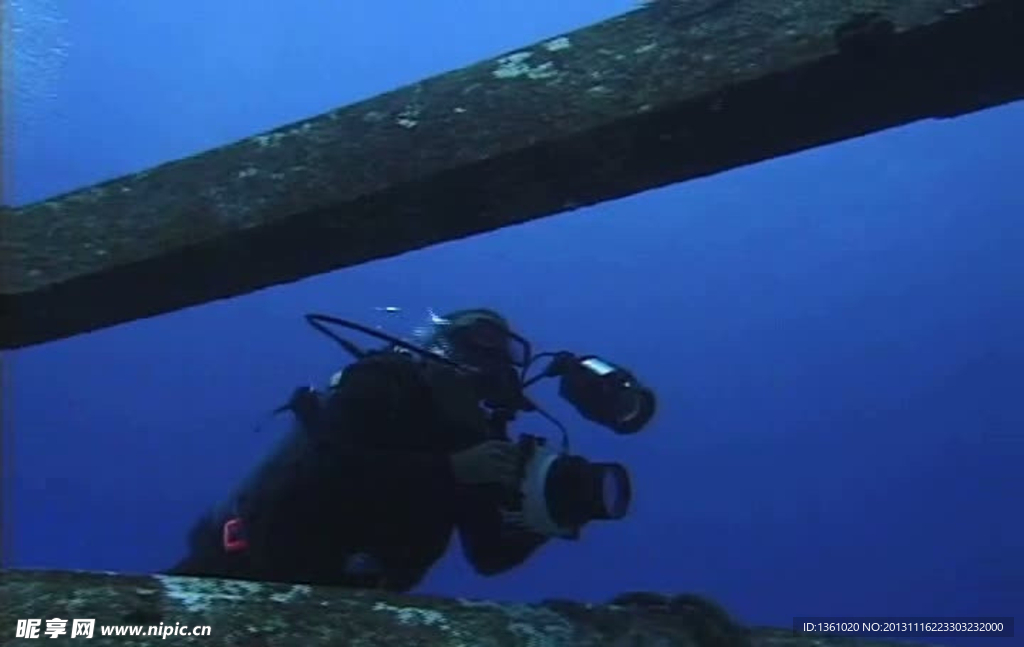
561	493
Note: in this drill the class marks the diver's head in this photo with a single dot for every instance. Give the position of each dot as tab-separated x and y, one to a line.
481	339
478	337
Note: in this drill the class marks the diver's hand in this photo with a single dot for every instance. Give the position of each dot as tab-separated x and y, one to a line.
494	461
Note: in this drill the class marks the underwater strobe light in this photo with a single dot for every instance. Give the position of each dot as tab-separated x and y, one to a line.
604	393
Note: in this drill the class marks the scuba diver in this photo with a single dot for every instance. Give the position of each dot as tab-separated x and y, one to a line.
408	444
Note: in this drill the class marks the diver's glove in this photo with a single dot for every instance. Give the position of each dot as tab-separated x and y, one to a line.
490	462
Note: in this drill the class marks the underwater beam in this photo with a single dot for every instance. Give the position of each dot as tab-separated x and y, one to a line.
250	613
656	96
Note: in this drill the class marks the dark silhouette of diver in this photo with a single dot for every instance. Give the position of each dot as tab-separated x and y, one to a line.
402	449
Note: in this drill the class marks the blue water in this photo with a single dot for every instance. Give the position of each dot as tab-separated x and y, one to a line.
836	337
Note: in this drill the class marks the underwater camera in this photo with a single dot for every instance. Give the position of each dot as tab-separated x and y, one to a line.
559	492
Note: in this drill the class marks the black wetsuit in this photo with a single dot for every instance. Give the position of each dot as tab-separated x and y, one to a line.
372	476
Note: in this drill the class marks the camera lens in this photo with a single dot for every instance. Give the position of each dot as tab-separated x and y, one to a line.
578	491
616	491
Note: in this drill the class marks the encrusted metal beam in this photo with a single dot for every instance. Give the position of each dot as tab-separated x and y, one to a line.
240	613
677	90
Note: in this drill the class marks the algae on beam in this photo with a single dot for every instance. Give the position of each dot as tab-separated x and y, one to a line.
256	614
